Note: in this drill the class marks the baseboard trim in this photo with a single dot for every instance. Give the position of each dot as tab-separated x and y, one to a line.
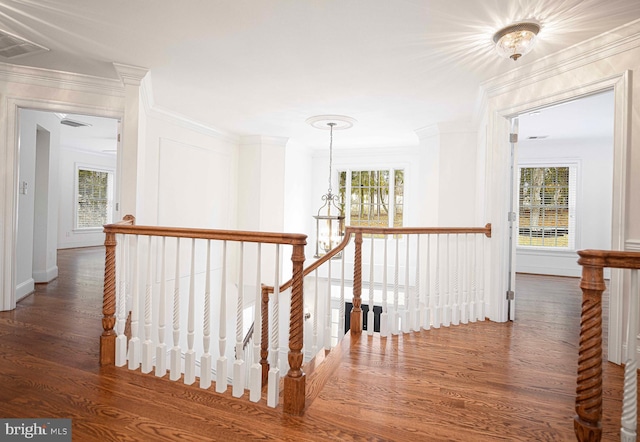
632	245
25	288
47	276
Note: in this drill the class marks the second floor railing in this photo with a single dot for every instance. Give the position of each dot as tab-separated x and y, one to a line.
418	277
180	282
183	290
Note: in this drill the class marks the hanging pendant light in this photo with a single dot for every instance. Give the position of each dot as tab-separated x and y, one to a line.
330	216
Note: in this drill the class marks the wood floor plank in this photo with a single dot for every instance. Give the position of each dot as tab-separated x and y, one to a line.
477	382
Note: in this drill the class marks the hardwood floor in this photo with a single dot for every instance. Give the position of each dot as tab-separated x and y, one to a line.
479	382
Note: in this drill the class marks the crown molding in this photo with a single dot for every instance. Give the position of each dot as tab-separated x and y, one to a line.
60	80
616	41
263	139
129	74
446	127
158	112
370	152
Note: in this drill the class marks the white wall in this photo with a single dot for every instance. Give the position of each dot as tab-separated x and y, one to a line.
189	175
594	159
68	236
41	264
447	175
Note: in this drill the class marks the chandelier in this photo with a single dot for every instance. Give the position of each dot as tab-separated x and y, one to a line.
330	216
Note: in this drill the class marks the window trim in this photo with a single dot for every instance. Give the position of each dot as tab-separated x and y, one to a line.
574	241
76	188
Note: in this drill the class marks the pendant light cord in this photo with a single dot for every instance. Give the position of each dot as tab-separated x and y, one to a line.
329	192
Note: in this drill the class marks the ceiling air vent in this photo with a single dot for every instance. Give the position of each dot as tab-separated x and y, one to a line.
73	123
12	46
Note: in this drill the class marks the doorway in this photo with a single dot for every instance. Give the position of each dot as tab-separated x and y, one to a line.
498	204
53	148
564	184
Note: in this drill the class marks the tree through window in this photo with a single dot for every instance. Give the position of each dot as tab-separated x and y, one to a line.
94	197
376	197
546	204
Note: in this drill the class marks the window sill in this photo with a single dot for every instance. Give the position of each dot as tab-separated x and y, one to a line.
546	251
88	230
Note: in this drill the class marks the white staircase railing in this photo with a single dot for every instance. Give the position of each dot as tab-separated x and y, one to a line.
159	276
417	278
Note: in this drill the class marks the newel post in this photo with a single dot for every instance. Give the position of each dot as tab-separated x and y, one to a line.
294	382
264	335
356	311
108	337
587	423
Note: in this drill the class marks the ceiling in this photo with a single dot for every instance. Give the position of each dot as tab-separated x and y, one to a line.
263	67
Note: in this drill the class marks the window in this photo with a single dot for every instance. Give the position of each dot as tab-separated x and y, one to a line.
376	197
546	203
94	197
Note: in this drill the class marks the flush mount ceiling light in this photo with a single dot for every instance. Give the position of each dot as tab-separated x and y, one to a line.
516	40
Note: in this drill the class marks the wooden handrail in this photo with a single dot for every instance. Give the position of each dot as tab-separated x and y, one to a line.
587	422
353	230
222	235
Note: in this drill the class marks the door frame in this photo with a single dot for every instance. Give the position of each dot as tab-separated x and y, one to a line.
498	156
13	106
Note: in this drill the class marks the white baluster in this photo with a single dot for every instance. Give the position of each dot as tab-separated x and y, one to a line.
455	307
147	345
314	347
175	359
238	365
417	310
341	315
221	364
134	343
407	313
327	311
384	316
628	431
161	348
370	314
190	355
446	311
395	317
206	359
426	316
273	392
464	307
437	310
482	272
473	295
121	275
255	376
